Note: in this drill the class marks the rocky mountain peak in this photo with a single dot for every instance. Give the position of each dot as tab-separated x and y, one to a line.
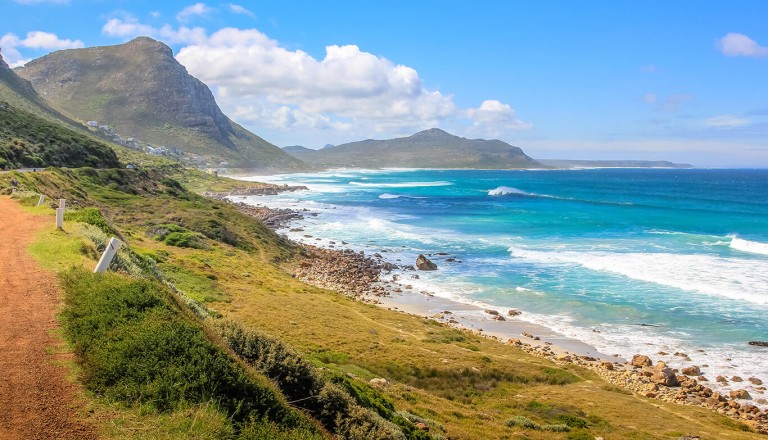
432	133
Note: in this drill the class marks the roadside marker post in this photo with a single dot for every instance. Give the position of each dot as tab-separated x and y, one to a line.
108	255
62	203
41	200
60	218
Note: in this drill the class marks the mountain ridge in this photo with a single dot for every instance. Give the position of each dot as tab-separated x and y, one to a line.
431	148
140	90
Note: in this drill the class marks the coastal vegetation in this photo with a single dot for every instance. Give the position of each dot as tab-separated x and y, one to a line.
249	341
27	140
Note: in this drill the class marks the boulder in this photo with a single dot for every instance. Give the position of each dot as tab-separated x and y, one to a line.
759	343
640	360
664	376
514	312
421	426
423	263
739	394
755	381
691	371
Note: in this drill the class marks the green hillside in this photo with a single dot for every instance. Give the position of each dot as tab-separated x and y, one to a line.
141	91
27	140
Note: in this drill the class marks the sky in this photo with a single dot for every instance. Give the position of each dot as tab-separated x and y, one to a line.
680	80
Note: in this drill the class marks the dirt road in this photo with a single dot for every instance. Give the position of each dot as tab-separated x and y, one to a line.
36	400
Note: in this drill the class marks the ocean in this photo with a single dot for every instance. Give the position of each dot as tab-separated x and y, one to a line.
628	260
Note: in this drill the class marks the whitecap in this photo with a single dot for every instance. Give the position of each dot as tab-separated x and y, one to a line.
753	247
506	190
402	184
389	196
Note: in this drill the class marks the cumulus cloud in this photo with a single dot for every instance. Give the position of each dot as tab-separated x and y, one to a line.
193	10
34	40
739	45
495	118
727	121
237	9
247	65
129	27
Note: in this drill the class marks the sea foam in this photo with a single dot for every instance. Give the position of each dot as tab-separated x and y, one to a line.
506	190
752	247
733	278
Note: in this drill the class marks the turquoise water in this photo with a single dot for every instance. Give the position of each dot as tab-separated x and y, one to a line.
629	260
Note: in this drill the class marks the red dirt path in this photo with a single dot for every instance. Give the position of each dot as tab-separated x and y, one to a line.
36	400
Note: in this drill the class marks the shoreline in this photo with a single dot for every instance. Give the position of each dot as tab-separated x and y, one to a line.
369	279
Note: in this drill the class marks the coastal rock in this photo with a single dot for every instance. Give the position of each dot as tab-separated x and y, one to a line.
691	371
640	360
514	312
491	312
737	379
607	365
755	381
721	379
739	394
664	376
758	343
423	263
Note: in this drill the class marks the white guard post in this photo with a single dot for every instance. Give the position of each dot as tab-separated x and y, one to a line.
108	255
60	218
41	200
62	203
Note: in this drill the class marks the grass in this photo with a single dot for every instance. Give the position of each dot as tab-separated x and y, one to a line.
432	371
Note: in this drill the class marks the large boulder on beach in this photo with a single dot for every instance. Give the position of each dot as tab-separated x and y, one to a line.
664	375
739	394
423	263
640	360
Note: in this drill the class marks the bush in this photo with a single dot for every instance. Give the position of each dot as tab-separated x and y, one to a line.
136	346
522	422
91	216
300	381
555	428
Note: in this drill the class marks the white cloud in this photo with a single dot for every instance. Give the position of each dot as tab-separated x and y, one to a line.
247	66
237	9
34	40
740	45
129	27
190	11
727	121
495	118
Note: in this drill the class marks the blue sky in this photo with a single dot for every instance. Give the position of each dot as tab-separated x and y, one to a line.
681	80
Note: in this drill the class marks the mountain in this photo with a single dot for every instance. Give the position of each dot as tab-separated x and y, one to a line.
297	149
139	90
564	163
433	148
32	134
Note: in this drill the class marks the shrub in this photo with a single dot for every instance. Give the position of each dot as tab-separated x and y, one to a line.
522	422
555	428
136	346
91	216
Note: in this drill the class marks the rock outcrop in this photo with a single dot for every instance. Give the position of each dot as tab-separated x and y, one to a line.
424	263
